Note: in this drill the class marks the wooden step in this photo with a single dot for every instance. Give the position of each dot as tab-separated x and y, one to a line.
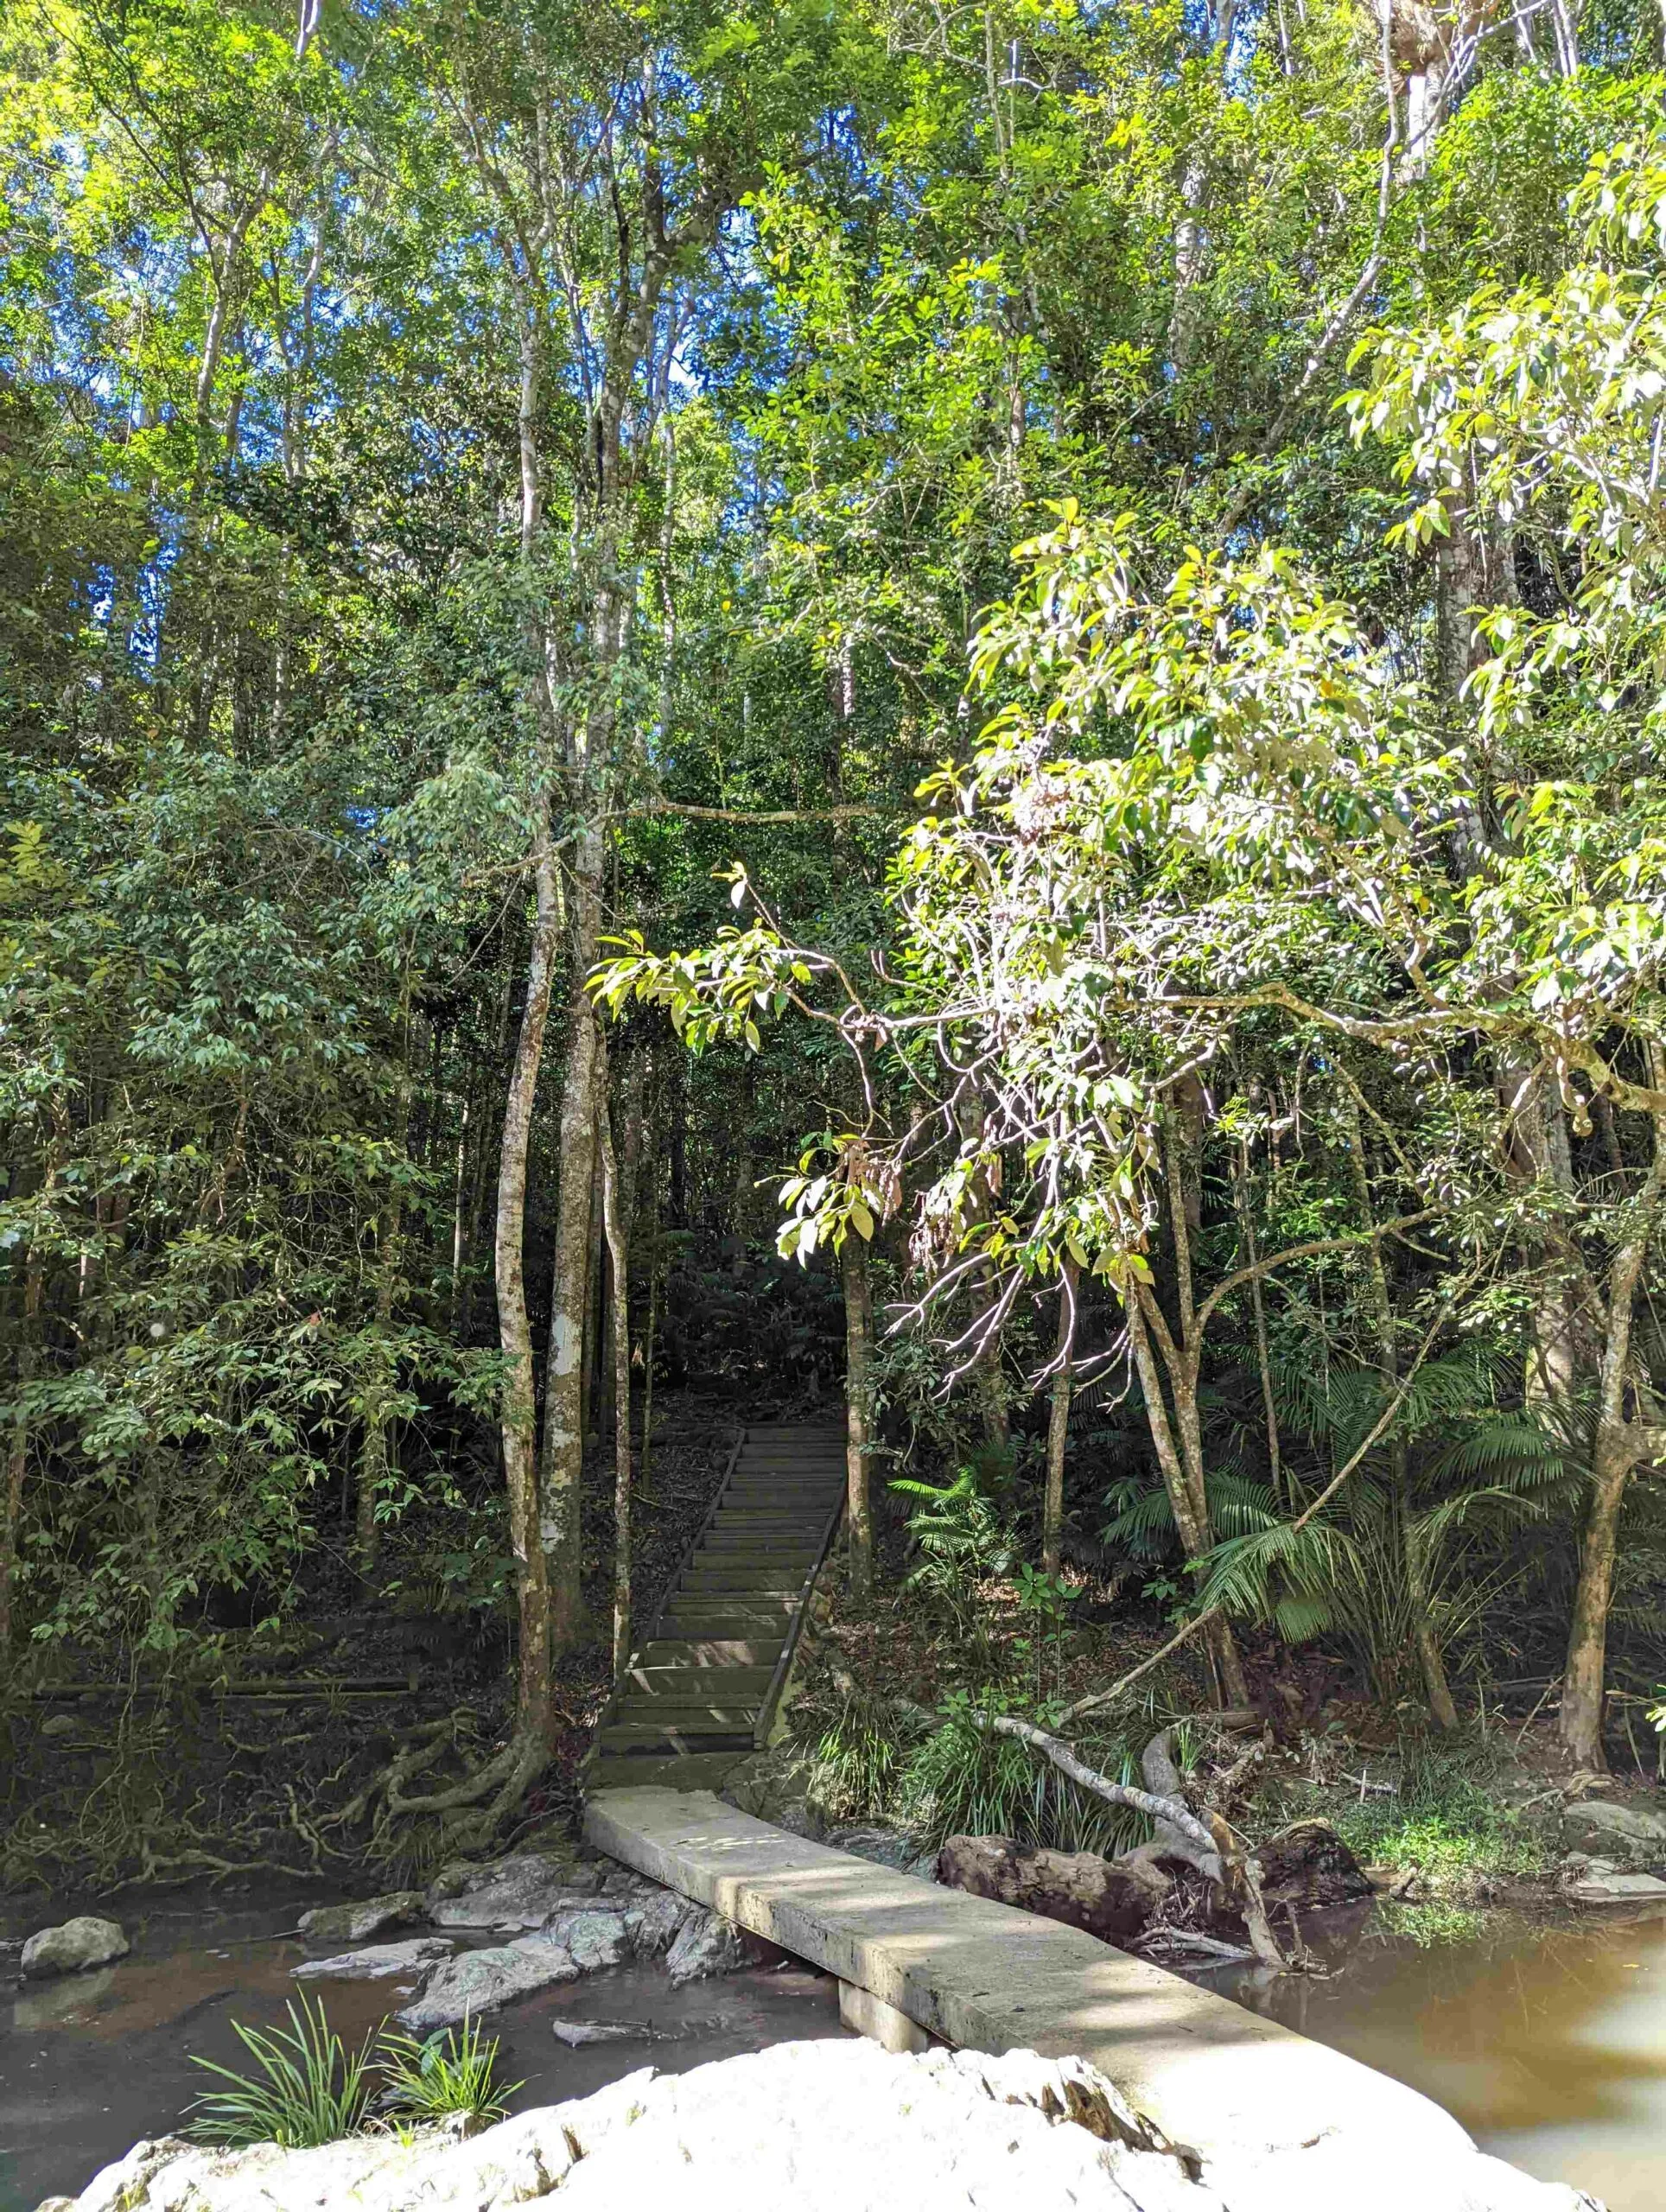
754	1582
678	1684
704	1652
791	1558
743	1536
695	1713
686	1770
729	1621
697	1736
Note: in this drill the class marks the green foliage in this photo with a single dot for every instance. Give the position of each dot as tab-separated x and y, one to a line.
1446	1819
962	1780
307	2087
438	2077
961	1535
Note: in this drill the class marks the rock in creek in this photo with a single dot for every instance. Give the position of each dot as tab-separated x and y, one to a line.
526	1892
655	1917
406	1961
1310	1865
480	1981
75	1944
820	2127
575	2034
356	1924
1600	1885
1632	1824
708	1944
1111	1902
592	1939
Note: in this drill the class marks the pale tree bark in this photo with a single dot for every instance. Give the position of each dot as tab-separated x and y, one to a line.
1053	1503
859	1410
618	1252
563	1418
1179	1446
519	1415
1622	1441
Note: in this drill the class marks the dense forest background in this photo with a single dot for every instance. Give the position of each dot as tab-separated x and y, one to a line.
473	476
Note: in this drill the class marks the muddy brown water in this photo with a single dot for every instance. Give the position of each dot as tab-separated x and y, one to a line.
92	2063
1546	2038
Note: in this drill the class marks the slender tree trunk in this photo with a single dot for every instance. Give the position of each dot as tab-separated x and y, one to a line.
614	1218
1182	1473
1052	1506
376	1450
1258	1314
17	1454
520	1418
1619	1445
563	1436
859	1410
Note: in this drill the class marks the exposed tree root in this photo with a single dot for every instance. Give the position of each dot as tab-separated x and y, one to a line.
1209	1845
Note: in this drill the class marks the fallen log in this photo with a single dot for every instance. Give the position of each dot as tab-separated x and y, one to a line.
1102	1896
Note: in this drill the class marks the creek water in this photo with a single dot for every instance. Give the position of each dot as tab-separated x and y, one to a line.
1546	2038
92	2063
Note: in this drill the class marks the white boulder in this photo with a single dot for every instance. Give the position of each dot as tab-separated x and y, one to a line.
816	2126
73	1945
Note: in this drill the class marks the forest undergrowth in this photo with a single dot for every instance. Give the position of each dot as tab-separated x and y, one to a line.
889	1727
119	1771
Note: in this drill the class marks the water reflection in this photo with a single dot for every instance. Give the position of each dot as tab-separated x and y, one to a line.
1548	2040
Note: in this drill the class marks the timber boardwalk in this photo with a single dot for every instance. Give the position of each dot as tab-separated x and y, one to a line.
699	1692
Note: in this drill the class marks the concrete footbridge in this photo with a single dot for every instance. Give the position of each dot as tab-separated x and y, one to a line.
1273	2122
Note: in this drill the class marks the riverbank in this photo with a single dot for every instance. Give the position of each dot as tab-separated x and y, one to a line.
89	2063
825	2128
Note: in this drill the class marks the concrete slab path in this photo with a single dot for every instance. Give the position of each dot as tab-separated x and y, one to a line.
1287	2123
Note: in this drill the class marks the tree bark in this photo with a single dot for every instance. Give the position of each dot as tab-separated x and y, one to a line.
1053	1505
1181	1479
519	1416
858	1393
563	1431
1620	1443
618	1249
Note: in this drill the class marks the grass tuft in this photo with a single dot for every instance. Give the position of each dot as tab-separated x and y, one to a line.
309	2088
439	2077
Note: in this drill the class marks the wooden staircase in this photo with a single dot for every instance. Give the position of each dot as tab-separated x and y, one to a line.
700	1689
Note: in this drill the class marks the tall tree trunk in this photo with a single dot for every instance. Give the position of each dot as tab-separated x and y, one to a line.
1053	1505
1619	1444
519	1419
17	1453
859	1409
376	1449
1258	1315
618	1249
1178	1445
563	1431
